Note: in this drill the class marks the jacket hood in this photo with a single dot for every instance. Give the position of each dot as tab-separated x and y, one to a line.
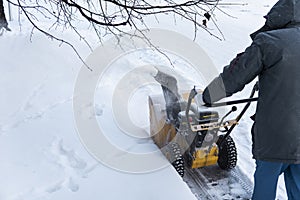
282	14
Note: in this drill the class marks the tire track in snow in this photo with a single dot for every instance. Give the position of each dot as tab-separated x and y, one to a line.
213	183
243	180
197	184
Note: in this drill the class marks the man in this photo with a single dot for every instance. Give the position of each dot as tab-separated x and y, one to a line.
274	56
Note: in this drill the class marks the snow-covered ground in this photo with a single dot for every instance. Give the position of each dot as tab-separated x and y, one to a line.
41	154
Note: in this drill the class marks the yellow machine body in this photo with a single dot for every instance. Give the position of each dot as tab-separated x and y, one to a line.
163	133
205	158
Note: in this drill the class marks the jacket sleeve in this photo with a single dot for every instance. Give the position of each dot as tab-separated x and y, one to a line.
241	70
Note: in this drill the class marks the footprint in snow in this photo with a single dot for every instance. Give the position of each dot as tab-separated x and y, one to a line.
99	109
68	158
72	185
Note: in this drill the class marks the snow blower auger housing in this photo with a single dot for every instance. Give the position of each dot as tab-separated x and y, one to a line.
187	136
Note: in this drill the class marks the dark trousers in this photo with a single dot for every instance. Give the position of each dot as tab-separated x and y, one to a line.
266	178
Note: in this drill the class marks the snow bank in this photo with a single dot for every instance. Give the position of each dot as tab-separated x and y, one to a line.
40	153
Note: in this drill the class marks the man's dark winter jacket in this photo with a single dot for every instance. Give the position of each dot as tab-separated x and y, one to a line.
274	56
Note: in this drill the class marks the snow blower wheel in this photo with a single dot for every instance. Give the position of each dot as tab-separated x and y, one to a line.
178	161
227	153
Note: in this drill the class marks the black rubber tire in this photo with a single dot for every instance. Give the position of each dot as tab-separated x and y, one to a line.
178	160
227	153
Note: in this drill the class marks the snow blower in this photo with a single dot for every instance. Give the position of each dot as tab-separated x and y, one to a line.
187	136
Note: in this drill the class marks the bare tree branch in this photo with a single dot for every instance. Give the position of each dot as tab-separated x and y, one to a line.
112	16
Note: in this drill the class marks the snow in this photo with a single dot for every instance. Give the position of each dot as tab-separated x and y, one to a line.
41	154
